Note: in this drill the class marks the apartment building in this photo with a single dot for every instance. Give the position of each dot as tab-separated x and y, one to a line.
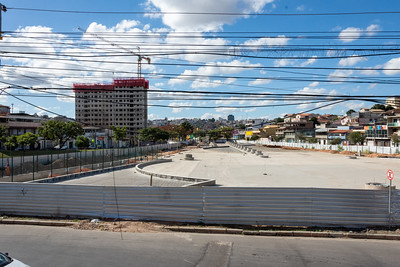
393	101
120	103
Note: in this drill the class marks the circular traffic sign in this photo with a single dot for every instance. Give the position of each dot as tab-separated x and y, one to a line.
390	174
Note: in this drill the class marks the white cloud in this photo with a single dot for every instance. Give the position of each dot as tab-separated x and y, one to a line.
354	105
369	72
392	67
313	84
176	106
208	115
267	41
250	110
351	60
309	61
226	110
210	22
212	69
372	29
284	62
350	34
340	76
260	82
301	8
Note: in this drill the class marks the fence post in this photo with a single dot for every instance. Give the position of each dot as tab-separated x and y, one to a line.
103	160
33	167
51	165
12	166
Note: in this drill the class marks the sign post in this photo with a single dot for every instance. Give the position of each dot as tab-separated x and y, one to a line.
390	176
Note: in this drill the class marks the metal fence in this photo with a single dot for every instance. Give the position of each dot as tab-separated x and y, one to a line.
353	148
210	205
29	168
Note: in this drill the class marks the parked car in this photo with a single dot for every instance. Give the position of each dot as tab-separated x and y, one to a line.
62	148
7	261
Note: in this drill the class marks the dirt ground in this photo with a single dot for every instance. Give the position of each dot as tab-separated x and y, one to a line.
123	226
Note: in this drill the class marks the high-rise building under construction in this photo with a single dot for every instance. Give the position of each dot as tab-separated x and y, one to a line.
121	103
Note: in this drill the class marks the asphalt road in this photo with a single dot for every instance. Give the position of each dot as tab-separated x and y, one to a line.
51	246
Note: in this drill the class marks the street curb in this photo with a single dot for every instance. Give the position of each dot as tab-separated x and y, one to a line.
283	233
36	222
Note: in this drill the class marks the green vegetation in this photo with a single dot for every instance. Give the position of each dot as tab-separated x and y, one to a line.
82	142
184	129
395	139
60	131
214	135
356	138
153	134
381	106
336	141
226	132
312	140
348	113
27	139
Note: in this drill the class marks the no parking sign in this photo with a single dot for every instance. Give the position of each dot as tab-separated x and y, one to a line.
390	175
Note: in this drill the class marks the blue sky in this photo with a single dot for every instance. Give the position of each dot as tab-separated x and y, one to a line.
41	50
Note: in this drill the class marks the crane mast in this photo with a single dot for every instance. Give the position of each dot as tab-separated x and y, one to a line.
140	57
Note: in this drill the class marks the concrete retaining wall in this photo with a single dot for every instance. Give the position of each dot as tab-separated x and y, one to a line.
194	181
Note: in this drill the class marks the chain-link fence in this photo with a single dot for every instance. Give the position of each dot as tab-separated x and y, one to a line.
38	166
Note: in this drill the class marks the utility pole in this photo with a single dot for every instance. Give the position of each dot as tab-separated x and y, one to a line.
4	9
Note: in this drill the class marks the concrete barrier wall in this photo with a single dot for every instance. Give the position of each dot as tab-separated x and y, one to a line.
210	205
353	148
193	181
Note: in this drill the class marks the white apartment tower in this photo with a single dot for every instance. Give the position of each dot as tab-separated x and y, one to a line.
121	103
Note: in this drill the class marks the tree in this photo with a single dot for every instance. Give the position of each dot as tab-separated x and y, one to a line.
27	139
348	113
214	134
227	132
279	119
153	134
312	140
268	132
185	128
60	131
314	121
242	126
3	134
171	129
82	142
11	142
199	133
378	106
336	141
254	138
389	107
356	137
301	136
278	138
119	133
396	139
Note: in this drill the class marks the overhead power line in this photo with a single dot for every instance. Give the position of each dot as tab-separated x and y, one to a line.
205	13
